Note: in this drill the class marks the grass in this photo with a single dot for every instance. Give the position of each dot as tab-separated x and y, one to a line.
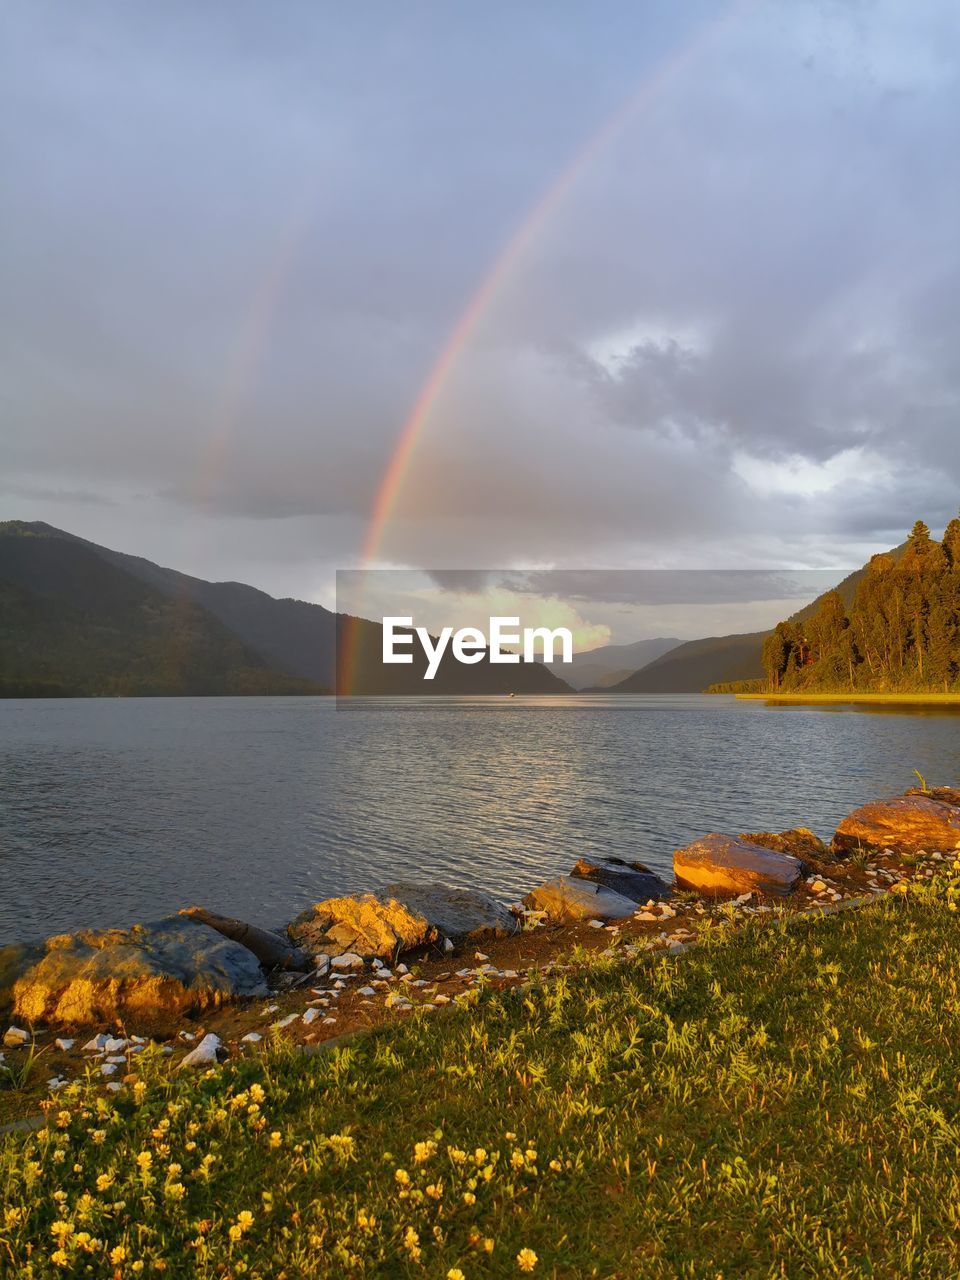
780	1102
921	699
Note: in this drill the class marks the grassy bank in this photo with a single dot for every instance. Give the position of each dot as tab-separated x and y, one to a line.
920	699
781	1101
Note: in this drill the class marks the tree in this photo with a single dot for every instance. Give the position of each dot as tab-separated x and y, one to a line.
776	655
951	543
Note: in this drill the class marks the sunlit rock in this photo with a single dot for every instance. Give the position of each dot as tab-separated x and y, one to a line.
719	866
572	900
364	925
906	824
145	973
799	842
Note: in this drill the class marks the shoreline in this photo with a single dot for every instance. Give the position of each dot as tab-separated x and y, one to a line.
895	699
313	1011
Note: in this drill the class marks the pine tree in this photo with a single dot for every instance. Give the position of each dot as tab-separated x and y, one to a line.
776	655
951	543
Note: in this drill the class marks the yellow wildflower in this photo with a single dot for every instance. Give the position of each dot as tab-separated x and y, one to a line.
455	1274
117	1255
526	1259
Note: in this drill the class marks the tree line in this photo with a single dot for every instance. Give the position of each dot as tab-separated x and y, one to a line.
900	634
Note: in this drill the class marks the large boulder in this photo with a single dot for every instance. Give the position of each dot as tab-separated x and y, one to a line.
907	824
571	900
719	865
631	879
462	915
146	975
799	842
366	925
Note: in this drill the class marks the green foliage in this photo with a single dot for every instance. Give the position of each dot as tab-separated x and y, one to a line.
900	635
781	1101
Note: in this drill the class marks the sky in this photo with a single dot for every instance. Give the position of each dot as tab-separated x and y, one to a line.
237	238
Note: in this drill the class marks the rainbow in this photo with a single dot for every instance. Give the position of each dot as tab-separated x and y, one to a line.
398	467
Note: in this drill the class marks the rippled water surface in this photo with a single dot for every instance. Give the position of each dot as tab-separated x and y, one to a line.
126	809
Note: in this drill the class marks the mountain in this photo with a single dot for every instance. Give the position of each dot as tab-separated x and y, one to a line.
73	623
80	619
691	667
611	663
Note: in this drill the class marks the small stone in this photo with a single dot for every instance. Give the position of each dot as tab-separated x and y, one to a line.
328	1022
252	1037
285	1022
596	924
349	960
108	1068
15	1037
366	991
64	1045
55	1083
479	955
114	1086
441	999
447	946
114	1044
310	1015
96	1044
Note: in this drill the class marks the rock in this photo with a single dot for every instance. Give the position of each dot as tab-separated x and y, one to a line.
948	795
207	1053
96	1044
15	960
632	880
720	865
309	1015
349	960
16	1037
799	842
64	1045
458	914
572	899
252	1037
366	926
905	824
149	972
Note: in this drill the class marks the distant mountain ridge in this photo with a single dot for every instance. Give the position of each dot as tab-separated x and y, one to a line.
78	618
611	663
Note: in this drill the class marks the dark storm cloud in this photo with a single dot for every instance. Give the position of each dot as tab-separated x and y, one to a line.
236	237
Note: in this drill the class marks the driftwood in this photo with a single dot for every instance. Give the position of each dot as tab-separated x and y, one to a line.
269	948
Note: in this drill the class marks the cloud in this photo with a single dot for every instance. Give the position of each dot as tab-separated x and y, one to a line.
235	243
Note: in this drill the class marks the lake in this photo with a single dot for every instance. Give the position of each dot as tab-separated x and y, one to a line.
117	810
